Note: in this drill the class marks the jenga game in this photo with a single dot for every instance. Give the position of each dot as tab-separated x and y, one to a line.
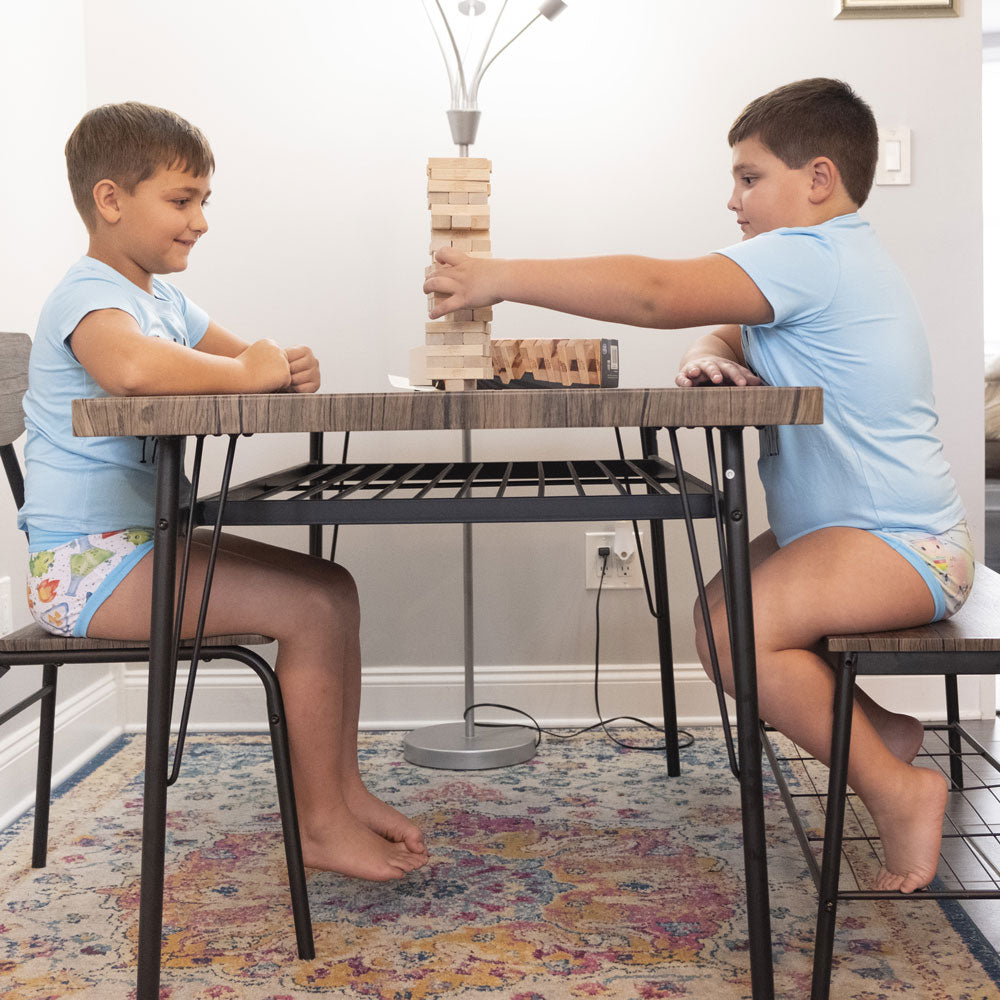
457	346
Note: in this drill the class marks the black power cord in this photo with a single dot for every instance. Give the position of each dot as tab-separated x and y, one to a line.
604	552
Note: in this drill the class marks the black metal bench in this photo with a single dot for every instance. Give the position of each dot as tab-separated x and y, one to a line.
968	643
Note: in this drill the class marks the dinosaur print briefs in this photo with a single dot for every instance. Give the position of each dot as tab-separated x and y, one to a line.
67	583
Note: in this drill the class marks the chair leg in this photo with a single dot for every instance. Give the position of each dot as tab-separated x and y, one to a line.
833	836
286	797
954	739
43	779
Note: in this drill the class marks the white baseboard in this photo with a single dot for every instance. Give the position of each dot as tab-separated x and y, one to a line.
230	698
85	723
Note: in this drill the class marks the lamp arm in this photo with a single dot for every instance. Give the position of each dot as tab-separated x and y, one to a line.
486	48
458	57
444	56
481	73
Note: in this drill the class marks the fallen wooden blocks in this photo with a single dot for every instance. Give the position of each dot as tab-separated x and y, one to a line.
456	349
568	362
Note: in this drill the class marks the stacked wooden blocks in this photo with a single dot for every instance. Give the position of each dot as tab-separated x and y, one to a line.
570	362
457	346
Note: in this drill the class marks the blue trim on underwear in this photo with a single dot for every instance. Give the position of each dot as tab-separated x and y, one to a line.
106	587
42	540
920	565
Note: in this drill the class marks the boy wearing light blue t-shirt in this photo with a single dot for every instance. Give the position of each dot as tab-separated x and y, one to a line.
140	178
867	530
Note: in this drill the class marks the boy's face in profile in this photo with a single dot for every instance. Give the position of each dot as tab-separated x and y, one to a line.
767	193
159	223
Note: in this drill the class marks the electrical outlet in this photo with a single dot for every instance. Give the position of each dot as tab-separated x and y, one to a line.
619	574
6	607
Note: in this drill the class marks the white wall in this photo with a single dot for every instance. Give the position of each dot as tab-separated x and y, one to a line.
607	133
42	95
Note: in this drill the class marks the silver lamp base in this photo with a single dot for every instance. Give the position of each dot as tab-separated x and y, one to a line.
449	746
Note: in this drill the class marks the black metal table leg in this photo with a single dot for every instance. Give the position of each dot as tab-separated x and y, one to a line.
663	636
833	836
154	800
747	715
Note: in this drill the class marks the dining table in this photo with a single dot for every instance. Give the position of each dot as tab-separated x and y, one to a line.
650	484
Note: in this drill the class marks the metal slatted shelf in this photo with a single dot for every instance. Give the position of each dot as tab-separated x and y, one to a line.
409	492
970	850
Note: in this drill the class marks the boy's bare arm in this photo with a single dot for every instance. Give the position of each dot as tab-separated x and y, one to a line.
640	291
716	359
124	362
302	363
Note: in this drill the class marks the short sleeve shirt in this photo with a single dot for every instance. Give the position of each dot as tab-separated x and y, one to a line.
845	320
77	485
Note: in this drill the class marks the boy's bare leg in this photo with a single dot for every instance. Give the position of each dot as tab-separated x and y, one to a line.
376	814
831	581
314	616
902	734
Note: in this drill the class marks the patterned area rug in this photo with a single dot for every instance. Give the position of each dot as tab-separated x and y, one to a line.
586	873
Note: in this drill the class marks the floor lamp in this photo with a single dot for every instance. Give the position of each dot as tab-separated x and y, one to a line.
463	745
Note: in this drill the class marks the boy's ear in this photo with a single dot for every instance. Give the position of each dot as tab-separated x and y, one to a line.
107	200
824	177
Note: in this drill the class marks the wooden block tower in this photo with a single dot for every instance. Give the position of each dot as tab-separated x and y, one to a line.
457	346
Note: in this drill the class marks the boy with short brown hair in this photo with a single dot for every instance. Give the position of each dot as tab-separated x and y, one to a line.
867	530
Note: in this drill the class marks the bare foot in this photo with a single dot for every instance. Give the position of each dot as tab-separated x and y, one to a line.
346	845
382	819
909	823
902	734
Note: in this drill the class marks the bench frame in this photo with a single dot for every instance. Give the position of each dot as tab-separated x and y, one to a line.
968	643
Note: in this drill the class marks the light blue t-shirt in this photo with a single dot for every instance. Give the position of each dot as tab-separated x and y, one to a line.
844	319
76	485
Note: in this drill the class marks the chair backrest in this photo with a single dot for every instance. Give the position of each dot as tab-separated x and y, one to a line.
14	351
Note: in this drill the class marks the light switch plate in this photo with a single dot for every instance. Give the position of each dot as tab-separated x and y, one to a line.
893	167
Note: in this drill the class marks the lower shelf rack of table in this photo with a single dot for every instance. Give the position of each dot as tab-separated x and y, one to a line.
410	492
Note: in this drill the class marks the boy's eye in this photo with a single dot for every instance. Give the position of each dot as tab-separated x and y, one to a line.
181	201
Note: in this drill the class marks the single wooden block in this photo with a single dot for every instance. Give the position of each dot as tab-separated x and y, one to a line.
449	238
459	384
458	174
443	221
478	198
483	315
440	326
482	245
462	198
476	338
461	351
460	316
473	372
482	254
436	185
418	366
458	162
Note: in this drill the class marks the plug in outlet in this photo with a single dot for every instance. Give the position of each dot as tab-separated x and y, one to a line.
619	574
6	607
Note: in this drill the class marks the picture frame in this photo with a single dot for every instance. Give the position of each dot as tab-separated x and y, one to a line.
898	8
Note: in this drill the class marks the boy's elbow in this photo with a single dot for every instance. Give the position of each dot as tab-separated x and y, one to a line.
127	379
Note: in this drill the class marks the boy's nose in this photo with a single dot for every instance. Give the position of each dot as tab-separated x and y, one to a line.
733	204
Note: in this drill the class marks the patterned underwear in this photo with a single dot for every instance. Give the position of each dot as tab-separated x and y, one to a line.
67	583
945	561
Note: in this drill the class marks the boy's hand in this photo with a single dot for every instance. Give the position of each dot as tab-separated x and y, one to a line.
265	366
714	370
304	369
466	281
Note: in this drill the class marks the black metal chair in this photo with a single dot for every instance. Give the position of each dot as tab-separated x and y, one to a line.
34	646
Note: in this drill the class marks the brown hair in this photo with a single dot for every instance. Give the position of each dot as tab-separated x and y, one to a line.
126	143
817	117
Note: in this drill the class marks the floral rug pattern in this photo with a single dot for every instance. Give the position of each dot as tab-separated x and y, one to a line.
585	873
